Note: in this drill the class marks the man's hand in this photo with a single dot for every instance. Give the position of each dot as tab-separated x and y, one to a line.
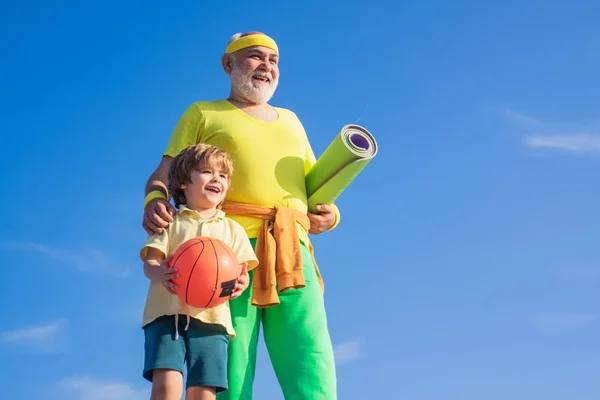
242	282
157	215
162	273
323	221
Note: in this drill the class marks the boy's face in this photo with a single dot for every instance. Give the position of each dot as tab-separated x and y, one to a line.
208	187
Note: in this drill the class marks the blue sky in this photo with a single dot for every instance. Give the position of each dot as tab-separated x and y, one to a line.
466	265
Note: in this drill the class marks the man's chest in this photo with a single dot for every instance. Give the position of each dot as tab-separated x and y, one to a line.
241	137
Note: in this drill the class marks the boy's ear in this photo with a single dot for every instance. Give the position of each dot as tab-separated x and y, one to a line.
183	187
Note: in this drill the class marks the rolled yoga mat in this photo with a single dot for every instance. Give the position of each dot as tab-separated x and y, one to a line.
347	155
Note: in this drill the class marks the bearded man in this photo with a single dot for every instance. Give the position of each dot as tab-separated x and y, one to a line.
271	155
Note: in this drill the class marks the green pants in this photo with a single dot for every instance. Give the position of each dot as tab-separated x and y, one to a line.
296	337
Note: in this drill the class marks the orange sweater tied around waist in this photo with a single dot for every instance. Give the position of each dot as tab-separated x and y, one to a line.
277	249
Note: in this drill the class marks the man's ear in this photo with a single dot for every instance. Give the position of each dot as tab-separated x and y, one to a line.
226	63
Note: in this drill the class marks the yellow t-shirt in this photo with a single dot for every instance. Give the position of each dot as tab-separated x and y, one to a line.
271	159
186	225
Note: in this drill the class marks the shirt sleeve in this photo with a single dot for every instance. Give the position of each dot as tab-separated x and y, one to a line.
188	130
242	247
160	242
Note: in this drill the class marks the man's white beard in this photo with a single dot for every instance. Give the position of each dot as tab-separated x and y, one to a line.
244	86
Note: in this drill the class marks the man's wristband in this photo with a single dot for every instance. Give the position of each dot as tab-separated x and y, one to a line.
155	194
337	216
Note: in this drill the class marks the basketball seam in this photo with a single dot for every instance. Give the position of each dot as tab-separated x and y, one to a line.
184	250
216	275
187	287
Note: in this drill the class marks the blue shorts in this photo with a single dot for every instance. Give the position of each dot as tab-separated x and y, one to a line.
203	347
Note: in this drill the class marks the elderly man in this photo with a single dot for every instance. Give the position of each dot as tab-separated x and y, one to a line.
272	155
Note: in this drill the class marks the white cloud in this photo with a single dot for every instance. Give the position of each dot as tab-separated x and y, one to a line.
348	351
87	260
582	143
43	338
564	322
87	388
520	118
542	135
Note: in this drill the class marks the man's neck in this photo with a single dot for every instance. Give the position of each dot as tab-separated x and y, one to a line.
244	104
263	111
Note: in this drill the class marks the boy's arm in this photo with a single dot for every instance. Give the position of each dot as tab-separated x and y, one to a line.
243	281
156	268
242	248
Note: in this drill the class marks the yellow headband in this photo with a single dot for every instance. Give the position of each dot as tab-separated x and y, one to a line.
250	41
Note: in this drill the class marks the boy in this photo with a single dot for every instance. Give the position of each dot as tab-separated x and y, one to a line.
199	178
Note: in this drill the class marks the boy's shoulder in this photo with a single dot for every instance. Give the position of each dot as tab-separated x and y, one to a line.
235	227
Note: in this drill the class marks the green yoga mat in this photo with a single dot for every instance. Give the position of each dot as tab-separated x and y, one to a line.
347	155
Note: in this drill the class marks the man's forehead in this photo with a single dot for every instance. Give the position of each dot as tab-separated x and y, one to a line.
260	49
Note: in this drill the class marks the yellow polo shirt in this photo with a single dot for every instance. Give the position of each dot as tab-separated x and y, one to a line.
186	225
271	159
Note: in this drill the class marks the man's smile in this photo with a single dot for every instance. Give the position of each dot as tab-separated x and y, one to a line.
262	78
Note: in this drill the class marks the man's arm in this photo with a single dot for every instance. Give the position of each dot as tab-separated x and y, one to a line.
160	177
159	212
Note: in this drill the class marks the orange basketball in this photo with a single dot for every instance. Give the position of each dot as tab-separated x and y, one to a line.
208	271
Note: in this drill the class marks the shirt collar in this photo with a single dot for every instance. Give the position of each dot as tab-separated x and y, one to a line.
184	210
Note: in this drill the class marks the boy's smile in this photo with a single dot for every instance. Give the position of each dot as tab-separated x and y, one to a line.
213	188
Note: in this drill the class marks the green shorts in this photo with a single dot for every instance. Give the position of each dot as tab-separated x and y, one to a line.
203	347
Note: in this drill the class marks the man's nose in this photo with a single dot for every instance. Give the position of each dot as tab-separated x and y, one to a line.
266	66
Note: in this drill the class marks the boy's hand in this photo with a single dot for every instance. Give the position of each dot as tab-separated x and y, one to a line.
323	221
242	282
163	273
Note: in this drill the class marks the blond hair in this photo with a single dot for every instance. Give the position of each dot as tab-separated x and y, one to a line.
193	158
